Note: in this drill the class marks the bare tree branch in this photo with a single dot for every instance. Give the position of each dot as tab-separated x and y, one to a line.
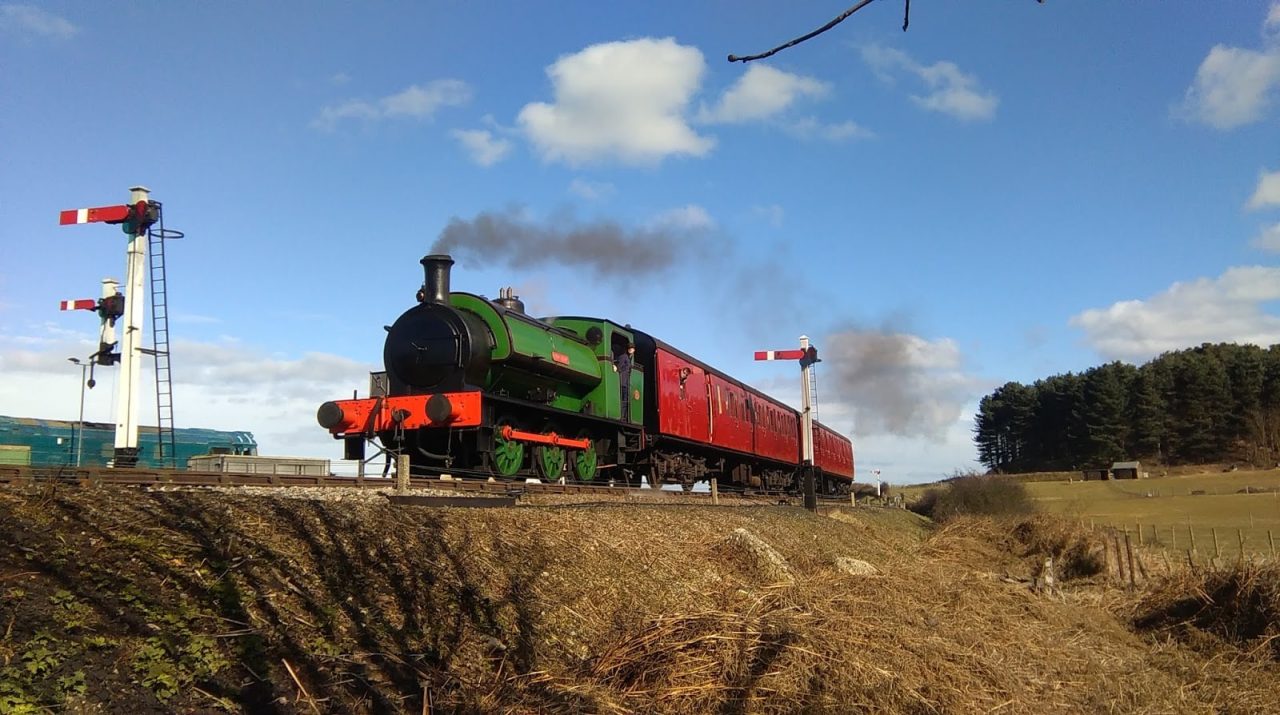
839	19
906	20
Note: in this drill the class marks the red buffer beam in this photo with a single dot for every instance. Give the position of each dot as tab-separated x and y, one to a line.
101	214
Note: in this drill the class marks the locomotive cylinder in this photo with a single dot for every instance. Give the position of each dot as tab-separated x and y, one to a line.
435	286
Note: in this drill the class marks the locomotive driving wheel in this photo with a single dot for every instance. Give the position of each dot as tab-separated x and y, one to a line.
586	462
549	459
507	456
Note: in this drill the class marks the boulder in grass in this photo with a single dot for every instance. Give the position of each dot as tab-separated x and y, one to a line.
855	567
757	554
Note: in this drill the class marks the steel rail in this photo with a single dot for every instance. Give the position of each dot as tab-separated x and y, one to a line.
101	476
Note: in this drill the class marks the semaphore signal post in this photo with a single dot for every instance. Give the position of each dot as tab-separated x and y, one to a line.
136	219
807	355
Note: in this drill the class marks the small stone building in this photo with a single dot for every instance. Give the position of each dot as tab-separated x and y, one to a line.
1095	474
1127	470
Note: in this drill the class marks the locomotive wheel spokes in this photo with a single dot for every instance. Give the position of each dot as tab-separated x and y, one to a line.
550	461
508	454
586	463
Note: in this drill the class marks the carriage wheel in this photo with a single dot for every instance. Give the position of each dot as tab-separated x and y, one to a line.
586	463
508	455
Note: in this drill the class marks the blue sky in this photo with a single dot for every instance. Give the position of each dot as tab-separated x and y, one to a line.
1006	191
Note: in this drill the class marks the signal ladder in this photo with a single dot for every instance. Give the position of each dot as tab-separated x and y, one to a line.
160	335
813	391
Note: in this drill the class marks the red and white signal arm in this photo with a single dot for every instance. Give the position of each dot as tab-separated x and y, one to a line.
101	214
78	304
779	354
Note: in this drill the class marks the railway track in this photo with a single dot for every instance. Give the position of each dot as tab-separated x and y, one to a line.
99	476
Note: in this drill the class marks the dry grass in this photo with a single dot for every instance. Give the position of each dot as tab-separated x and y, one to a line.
612	609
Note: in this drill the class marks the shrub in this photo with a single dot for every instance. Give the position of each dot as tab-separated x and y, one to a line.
977	495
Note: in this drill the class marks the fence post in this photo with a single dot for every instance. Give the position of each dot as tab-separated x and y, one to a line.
1272	542
1119	556
1240	538
1128	546
1216	552
1173	536
402	474
715	492
1139	533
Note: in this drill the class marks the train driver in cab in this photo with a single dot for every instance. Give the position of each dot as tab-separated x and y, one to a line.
622	365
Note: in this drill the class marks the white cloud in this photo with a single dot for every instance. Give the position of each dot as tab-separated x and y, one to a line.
761	93
1223	309
619	100
897	383
1268	191
1233	86
415	102
29	19
811	128
1269	239
220	385
591	190
689	217
485	149
952	91
915	460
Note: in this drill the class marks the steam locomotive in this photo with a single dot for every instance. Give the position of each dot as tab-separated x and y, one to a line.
478	387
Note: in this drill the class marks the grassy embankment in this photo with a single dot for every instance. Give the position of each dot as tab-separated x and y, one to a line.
126	600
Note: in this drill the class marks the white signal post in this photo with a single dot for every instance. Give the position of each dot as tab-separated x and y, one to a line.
806	401
807	355
131	339
137	223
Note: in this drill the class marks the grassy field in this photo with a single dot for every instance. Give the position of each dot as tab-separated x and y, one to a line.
1178	508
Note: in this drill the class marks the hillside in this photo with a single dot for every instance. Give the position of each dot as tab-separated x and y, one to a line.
185	600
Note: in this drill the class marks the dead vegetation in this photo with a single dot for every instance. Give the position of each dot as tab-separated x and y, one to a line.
158	602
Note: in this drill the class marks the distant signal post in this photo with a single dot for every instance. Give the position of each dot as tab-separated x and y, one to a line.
807	355
136	218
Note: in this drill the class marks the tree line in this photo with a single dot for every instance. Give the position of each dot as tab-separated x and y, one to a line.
1212	403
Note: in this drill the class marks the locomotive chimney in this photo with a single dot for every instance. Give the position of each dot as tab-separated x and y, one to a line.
436	286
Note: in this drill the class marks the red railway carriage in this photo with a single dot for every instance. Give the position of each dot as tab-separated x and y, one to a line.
679	387
777	429
700	421
832	452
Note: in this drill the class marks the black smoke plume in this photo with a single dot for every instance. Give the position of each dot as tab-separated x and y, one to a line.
896	383
605	248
